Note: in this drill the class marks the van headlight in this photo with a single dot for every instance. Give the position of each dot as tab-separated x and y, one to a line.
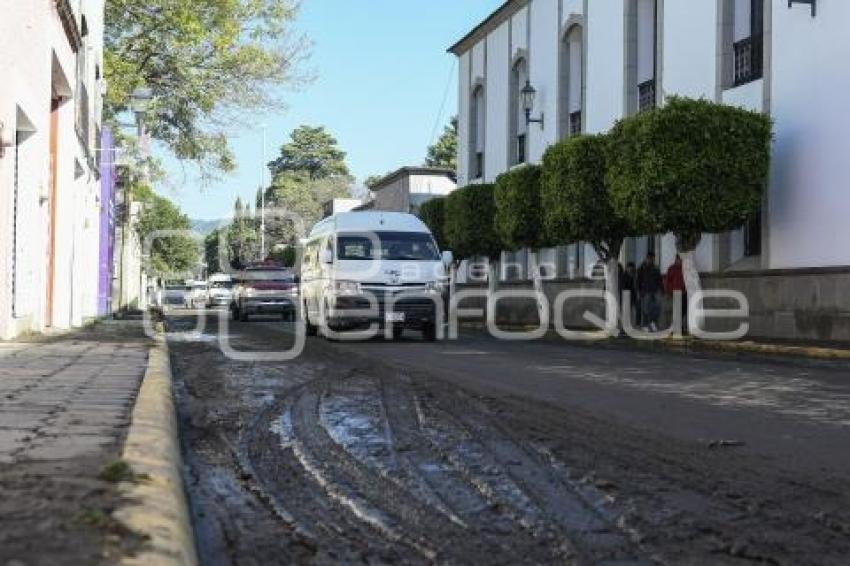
434	287
346	287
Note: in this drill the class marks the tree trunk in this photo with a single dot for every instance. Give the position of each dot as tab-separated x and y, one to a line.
612	285
492	278
686	247
536	281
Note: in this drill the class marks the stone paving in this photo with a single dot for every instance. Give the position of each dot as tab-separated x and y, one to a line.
66	398
65	407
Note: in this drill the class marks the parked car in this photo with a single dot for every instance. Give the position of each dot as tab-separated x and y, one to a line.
173	294
264	289
197	294
365	268
219	290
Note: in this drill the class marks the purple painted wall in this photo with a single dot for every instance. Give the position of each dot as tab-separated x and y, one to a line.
107	222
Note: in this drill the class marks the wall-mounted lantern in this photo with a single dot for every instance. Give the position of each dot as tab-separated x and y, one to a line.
528	95
7	139
812	3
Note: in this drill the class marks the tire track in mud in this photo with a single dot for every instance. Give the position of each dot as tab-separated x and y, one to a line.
433	484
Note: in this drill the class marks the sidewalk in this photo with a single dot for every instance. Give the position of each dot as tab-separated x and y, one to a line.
65	405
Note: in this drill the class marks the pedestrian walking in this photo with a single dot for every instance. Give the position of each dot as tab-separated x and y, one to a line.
630	284
650	285
674	280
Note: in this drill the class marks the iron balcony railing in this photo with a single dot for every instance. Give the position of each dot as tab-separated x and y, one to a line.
646	95
575	122
749	59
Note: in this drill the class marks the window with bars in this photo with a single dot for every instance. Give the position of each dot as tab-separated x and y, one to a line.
520	148
748	44
575	122
646	95
752	236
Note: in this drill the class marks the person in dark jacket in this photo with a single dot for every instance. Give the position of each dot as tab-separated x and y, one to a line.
674	280
650	285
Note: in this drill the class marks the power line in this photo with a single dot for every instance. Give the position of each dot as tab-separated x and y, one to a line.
439	119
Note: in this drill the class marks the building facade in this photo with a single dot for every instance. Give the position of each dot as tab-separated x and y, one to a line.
50	202
407	188
594	62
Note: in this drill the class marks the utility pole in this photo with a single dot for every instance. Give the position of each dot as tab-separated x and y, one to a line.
263	198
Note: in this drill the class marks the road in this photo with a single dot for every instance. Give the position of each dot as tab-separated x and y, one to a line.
502	452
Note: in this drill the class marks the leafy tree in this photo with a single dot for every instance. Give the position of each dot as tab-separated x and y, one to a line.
242	236
469	227
577	203
433	214
212	251
286	255
169	255
690	167
205	62
518	210
372	180
312	150
298	194
444	151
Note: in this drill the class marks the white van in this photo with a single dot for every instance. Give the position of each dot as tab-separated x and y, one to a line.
360	269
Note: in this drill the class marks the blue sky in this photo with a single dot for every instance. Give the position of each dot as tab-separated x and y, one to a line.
381	72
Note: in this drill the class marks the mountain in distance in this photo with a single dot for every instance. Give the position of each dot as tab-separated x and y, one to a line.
204	227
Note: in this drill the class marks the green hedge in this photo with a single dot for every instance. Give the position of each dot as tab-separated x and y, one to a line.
469	226
575	198
433	214
689	167
517	200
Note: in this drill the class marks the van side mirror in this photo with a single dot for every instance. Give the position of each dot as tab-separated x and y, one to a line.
326	256
448	257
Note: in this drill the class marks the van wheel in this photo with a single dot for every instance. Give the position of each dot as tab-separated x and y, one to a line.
309	328
234	313
429	332
398	331
243	316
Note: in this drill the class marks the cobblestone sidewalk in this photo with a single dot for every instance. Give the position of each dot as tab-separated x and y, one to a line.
65	404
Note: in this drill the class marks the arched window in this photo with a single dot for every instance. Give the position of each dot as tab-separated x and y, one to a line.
518	123
572	81
476	129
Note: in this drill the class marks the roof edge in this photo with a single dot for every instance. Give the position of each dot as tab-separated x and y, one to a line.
491	22
411	170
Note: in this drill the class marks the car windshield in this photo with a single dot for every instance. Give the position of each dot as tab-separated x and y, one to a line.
221	285
267	275
404	246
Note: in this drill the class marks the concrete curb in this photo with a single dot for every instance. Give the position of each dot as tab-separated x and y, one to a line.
158	506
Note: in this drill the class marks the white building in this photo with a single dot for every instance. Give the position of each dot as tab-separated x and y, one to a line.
595	61
50	107
407	188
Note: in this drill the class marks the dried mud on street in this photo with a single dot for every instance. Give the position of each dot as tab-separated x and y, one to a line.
335	458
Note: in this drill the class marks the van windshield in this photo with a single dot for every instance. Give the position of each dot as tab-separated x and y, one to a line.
402	246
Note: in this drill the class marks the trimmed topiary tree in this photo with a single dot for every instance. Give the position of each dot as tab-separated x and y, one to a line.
577	204
470	228
518	215
433	214
469	225
517	199
690	167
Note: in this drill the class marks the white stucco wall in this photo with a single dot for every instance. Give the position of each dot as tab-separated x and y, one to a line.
809	201
605	54
31	35
463	121
690	55
498	77
543	72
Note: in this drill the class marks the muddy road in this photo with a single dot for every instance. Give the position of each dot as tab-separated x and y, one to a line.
479	452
